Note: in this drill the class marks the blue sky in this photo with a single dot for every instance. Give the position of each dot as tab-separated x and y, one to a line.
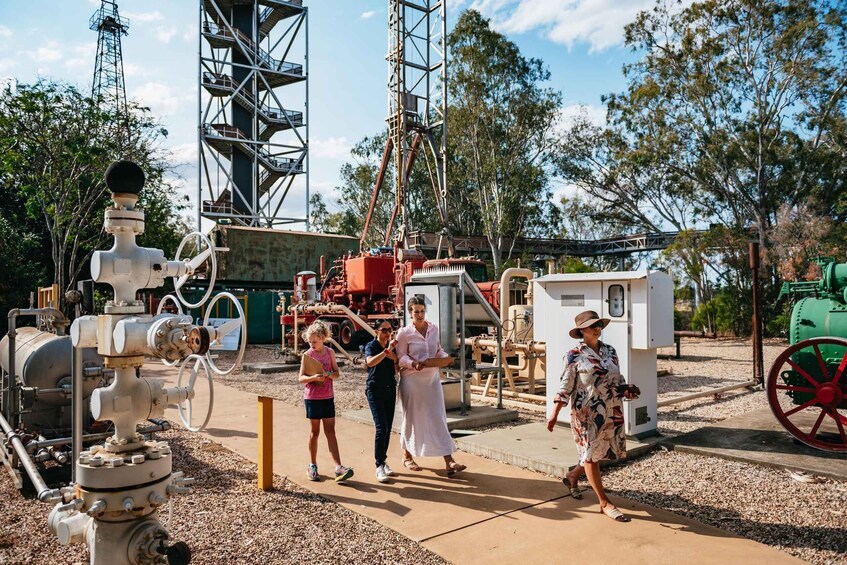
580	40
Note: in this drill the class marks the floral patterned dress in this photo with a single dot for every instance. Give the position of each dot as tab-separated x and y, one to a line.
590	384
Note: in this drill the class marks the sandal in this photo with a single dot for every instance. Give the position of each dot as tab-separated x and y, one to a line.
573	488
453	468
411	465
614	513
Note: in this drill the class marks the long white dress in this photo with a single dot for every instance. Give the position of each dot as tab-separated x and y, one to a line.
423	432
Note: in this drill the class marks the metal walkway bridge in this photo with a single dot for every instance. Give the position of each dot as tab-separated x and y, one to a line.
613	246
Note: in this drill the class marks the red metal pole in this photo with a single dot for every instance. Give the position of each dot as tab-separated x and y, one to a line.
758	364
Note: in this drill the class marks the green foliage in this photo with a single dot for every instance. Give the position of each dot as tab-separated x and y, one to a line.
735	110
729	313
55	145
501	137
779	324
574	265
704	317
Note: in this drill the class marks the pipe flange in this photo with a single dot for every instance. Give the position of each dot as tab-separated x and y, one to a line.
136	468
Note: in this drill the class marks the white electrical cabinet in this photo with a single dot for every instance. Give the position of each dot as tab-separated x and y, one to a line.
639	305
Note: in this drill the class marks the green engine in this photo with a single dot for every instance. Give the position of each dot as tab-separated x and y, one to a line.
807	387
822	312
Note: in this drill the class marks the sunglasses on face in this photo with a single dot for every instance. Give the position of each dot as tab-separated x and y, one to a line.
597	325
384	330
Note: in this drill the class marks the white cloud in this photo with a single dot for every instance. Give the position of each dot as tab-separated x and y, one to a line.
367	15
163	99
5	33
328	190
7	65
50	53
133	70
595	114
165	33
184	154
331	148
563	190
599	23
143	17
190	34
83	56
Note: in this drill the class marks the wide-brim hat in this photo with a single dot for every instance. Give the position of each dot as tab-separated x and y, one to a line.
584	320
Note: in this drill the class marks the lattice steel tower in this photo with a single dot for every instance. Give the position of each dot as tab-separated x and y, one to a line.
417	107
108	86
253	143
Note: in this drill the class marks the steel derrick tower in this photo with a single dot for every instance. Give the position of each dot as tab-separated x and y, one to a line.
108	84
253	131
417	108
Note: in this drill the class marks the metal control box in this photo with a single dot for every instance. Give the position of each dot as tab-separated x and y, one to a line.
639	305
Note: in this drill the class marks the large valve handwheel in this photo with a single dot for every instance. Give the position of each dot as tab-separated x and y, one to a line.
225	329
807	392
205	251
194	363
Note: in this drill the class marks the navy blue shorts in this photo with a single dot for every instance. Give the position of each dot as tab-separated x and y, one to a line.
320	409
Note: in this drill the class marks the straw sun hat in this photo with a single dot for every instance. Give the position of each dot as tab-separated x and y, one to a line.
584	320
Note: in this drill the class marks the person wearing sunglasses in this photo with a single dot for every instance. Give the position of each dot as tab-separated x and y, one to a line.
424	431
381	392
594	387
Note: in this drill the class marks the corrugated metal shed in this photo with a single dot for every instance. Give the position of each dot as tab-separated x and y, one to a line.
268	258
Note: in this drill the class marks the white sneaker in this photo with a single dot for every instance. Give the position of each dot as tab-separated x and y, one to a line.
388	470
381	475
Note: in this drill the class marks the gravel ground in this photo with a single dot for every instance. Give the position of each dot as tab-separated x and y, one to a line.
808	520
225	518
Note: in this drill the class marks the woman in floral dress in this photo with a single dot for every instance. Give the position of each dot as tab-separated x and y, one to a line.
593	385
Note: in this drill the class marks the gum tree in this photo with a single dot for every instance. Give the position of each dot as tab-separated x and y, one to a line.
55	145
501	133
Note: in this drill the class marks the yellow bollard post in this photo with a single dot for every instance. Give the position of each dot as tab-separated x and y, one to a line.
266	427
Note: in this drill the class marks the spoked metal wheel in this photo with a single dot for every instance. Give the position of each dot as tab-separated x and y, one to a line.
807	392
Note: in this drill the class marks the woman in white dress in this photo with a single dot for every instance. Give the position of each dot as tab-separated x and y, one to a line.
423	432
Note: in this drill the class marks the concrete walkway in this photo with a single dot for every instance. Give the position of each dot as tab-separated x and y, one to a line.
493	512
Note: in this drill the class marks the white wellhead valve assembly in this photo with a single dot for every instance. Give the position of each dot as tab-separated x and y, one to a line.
120	485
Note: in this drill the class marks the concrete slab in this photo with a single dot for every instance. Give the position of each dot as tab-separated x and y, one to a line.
490	512
757	437
573	531
533	447
476	417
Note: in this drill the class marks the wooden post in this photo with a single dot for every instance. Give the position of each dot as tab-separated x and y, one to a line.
266	427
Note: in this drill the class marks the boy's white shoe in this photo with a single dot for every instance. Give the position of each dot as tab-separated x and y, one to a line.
381	475
388	470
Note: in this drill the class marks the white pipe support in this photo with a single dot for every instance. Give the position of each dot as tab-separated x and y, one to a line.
505	279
